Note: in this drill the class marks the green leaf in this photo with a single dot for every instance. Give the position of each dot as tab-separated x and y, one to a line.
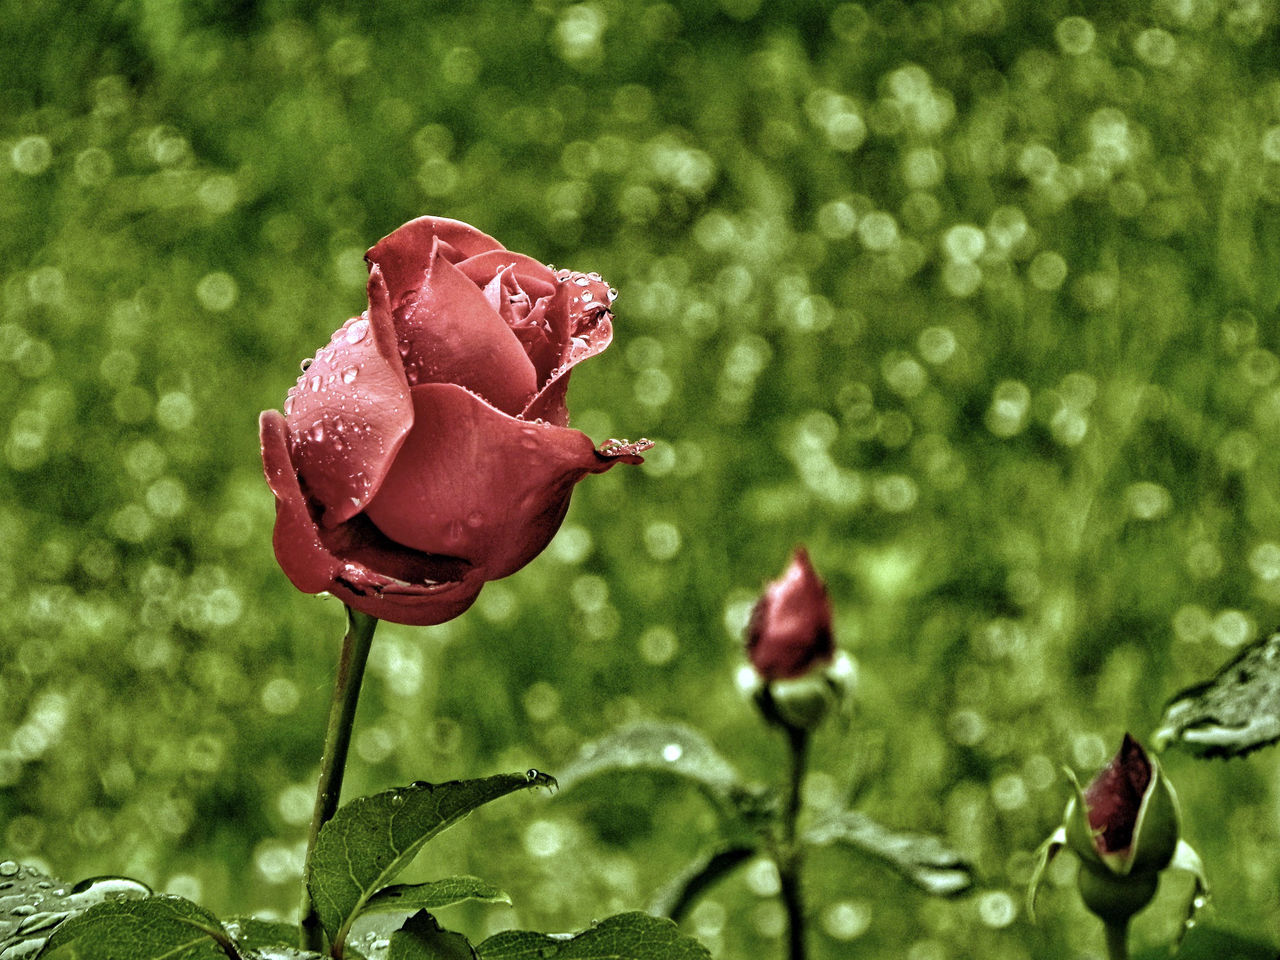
251	933
408	897
1235	712
924	860
628	936
671	749
370	840
155	928
34	905
682	891
421	938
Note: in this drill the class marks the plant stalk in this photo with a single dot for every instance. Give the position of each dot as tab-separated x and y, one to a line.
790	861
1118	940
337	740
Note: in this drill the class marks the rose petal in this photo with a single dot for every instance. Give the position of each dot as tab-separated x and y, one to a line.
350	411
1114	797
581	325
450	334
475	483
355	561
790	627
535	278
404	254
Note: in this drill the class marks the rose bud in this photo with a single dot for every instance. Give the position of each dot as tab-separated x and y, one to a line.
1124	826
426	449
792	650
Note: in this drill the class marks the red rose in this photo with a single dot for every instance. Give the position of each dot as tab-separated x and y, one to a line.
426	449
790	627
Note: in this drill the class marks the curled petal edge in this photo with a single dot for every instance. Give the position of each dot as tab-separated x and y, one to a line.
305	552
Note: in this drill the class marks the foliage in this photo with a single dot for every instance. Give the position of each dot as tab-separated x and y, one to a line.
974	298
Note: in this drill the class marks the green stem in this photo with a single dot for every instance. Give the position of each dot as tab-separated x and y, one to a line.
791	855
337	740
1118	940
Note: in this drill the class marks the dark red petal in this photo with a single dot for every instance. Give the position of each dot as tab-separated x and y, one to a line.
580	326
350	411
790	627
404	253
450	334
1114	797
477	484
535	278
354	561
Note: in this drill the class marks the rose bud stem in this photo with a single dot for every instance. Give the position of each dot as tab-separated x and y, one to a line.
337	740
789	859
1118	940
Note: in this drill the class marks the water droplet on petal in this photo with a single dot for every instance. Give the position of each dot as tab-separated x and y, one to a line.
317	432
581	280
357	331
314	384
613	294
288	405
349	374
306	364
475	518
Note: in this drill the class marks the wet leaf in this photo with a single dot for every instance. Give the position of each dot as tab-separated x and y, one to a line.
922	859
421	938
32	905
154	928
1235	712
251	933
671	749
628	936
408	897
370	840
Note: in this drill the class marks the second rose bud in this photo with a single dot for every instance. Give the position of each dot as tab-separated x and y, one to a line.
796	673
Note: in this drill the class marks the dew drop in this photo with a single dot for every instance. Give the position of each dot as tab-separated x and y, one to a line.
314	384
532	774
397	799
306	364
317	433
454	534
288	405
8	868
672	752
349	374
475	518
613	294
358	331
587	296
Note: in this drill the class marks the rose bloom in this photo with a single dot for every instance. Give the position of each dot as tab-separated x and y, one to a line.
426	449
790	627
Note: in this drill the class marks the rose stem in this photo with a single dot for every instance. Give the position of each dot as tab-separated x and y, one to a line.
789	862
337	739
1118	940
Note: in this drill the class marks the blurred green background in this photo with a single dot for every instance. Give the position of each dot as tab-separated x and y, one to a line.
977	299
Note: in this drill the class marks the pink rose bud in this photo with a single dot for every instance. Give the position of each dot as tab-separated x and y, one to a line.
1124	826
790	628
1126	818
426	449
